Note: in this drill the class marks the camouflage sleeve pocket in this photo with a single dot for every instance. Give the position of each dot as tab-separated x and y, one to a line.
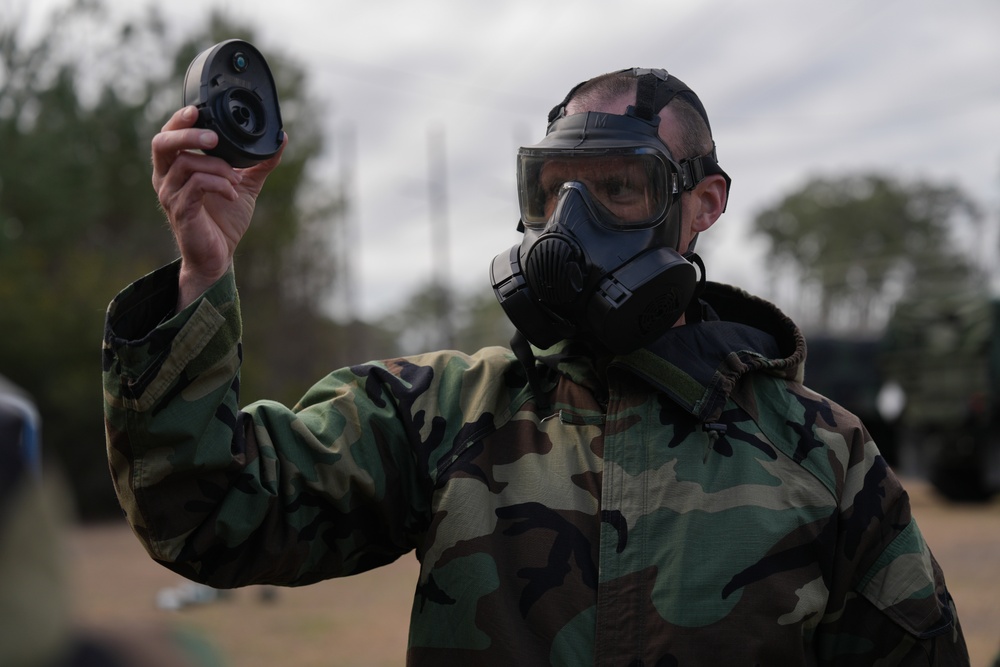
902	584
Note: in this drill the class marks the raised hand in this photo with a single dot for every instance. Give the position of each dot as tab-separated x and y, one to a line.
208	203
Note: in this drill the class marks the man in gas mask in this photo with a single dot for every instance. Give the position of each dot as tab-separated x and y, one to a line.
607	212
647	483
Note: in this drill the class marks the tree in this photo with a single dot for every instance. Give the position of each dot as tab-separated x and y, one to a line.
478	321
853	244
78	221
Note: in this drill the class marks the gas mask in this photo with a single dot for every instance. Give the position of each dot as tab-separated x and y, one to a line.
600	200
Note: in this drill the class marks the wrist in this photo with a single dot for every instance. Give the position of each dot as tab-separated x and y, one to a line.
192	284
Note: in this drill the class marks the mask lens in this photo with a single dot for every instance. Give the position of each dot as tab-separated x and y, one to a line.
629	188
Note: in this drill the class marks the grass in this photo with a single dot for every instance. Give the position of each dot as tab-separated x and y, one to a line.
362	621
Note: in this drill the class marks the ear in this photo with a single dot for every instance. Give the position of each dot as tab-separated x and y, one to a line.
708	201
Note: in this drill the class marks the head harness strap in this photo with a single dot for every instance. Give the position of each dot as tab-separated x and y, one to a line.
656	88
560	109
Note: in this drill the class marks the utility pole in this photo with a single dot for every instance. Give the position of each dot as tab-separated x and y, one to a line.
440	239
349	252
349	233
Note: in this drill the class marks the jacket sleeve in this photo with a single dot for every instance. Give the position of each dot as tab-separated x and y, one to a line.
266	494
894	607
886	598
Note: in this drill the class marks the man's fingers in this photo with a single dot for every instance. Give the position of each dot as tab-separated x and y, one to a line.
258	172
192	177
168	145
183	117
201	184
172	167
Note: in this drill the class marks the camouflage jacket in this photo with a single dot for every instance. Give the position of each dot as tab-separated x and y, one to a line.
691	503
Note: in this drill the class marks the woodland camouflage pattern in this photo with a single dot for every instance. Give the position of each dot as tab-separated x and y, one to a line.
696	506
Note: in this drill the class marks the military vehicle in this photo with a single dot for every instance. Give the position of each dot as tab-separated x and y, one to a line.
943	352
846	370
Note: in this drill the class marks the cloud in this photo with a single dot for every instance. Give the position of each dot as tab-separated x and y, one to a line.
793	89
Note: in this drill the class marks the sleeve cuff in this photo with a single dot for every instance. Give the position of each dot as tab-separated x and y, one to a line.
147	346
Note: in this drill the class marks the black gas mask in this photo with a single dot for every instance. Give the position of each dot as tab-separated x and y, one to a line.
600	200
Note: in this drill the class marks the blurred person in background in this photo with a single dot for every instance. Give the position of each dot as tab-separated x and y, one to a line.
38	627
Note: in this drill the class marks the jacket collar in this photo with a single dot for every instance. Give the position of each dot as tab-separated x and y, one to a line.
697	365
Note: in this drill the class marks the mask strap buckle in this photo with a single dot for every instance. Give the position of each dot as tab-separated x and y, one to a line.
695	311
521	348
693	171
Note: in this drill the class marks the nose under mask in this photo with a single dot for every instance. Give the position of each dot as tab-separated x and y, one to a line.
619	289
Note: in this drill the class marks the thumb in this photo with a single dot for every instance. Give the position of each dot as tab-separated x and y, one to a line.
260	171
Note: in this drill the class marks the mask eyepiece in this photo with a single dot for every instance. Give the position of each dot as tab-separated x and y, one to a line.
630	188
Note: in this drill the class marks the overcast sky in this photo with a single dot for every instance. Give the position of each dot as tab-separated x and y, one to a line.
794	88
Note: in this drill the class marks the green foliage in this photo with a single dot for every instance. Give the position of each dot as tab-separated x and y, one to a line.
79	220
862	238
473	322
483	323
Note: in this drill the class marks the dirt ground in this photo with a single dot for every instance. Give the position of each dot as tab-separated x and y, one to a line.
362	621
